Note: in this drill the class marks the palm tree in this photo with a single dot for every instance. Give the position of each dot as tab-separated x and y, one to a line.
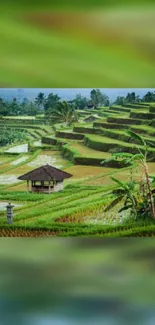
63	113
40	100
51	101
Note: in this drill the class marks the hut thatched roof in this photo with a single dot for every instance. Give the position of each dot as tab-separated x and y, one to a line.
45	173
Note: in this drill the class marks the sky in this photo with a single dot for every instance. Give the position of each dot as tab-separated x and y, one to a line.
68	93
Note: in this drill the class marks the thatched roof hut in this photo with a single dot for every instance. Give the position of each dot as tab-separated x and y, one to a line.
45	179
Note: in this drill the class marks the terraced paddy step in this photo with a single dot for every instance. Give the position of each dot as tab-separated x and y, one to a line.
152	108
115	134
142	115
120	109
81	154
23	119
55	141
125	120
85	130
5	158
63	229
32	132
69	135
137	106
106	144
67	199
141	129
144	130
110	111
108	125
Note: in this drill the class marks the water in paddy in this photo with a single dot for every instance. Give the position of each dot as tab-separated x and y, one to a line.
19	160
48	157
8	179
18	149
37	143
4	204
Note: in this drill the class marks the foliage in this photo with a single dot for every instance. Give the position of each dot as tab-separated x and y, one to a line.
9	136
51	101
30	107
40	100
63	112
125	193
119	100
98	98
141	202
80	101
131	98
149	97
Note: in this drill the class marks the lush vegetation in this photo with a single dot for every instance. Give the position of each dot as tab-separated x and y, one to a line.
111	158
10	136
69	56
48	104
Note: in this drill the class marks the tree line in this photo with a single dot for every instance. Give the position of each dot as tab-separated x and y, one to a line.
45	104
132	98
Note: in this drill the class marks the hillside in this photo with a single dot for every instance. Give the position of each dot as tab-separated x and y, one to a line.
79	150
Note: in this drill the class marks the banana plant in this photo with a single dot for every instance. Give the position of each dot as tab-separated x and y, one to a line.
124	193
141	157
145	189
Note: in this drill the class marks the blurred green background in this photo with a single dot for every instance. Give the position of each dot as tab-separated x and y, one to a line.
77	44
86	281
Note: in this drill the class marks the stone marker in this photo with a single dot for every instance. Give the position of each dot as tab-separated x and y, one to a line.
9	214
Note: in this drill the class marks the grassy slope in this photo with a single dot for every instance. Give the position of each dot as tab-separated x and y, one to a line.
77	204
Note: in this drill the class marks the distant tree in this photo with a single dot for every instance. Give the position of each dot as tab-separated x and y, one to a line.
40	100
103	99
51	101
149	97
94	98
4	108
25	101
138	99
119	100
15	108
80	102
98	98
63	112
31	109
130	98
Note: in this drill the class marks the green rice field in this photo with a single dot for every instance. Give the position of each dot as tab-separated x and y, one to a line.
78	210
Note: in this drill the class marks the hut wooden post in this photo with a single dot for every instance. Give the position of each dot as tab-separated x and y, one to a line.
49	187
28	188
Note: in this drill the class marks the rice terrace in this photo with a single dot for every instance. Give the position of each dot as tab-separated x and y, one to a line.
77	162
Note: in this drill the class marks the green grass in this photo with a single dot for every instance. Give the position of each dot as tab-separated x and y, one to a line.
89	57
81	150
73	210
